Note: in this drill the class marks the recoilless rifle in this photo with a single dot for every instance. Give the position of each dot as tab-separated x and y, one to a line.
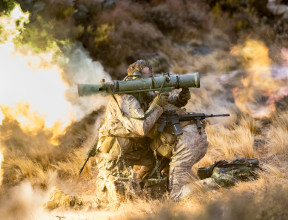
135	84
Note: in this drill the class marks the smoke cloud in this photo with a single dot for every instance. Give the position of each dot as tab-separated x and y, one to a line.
80	68
23	202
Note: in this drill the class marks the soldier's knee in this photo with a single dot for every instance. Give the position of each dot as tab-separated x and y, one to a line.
196	143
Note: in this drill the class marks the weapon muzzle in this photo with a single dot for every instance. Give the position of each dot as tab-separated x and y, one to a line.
89	89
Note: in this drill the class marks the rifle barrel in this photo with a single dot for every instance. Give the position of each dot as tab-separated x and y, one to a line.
197	116
220	115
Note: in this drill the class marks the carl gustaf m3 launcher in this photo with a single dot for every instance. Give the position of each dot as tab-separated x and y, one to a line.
134	84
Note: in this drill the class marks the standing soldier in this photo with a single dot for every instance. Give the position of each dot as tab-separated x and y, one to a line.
129	136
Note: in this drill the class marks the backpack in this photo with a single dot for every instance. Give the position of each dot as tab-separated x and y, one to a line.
227	174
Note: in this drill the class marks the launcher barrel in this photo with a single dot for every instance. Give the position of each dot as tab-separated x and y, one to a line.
165	82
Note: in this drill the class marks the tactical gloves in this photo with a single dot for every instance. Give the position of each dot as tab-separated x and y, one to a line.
182	99
163	99
184	96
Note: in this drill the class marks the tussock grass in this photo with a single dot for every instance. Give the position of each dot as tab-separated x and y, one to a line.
277	134
247	200
71	166
273	171
230	143
32	157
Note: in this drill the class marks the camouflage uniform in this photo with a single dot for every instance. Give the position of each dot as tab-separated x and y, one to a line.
127	141
184	151
126	136
190	148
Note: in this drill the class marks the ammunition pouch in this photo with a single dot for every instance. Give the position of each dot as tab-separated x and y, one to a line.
107	144
167	138
164	144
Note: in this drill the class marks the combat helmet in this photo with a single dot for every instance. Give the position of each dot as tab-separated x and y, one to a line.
137	67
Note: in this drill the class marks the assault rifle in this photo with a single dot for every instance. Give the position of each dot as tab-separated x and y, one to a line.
171	118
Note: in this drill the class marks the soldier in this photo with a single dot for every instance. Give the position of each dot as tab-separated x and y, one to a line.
128	136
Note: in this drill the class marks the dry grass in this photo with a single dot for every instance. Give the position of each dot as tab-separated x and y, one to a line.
70	167
278	143
26	168
277	134
248	200
33	158
272	171
228	143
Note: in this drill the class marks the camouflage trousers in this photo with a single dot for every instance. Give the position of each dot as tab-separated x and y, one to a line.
191	146
109	171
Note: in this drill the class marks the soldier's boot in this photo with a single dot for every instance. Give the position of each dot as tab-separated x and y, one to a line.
58	199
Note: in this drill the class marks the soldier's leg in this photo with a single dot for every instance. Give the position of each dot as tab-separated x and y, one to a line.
190	148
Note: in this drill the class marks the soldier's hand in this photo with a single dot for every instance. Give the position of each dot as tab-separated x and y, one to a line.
163	100
184	95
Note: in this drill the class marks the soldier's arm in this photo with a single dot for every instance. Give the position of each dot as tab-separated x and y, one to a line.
132	109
